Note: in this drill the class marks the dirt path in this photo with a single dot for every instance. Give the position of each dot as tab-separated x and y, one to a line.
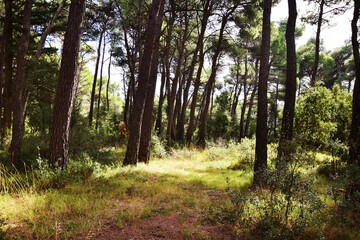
169	226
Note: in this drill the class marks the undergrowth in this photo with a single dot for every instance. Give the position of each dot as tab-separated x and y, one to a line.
214	184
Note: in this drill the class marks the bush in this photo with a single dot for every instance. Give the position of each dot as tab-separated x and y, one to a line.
47	177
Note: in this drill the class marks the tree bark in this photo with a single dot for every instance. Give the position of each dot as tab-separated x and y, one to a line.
290	88
260	166
8	70
317	45
152	33
145	140
353	185
92	100
17	130
5	41
59	137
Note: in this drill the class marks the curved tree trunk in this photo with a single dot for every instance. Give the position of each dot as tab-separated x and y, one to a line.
17	132
59	139
260	165
290	88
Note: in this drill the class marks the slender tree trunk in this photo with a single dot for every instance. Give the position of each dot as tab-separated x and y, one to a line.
5	42
317	44
252	97
108	85
353	185
191	127
237	91
260	166
209	86
59	137
8	62
17	132
92	100
158	126
172	94
131	64
199	45
243	109
290	88
100	84
152	34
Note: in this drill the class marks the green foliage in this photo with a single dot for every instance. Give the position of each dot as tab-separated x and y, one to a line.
47	177
158	149
323	115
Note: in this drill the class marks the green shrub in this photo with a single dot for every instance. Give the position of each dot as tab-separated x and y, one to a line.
48	177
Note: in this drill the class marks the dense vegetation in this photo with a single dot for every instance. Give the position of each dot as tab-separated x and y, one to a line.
195	119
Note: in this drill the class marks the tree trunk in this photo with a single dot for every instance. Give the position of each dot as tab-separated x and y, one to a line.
152	34
108	85
5	42
100	85
199	45
92	100
353	186
145	140
207	12
237	91
209	86
172	94
8	62
317	45
290	89
260	165
252	97
17	132
158	126
243	109
131	64
59	137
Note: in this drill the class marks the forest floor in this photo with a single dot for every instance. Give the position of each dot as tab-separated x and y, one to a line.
184	195
165	199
